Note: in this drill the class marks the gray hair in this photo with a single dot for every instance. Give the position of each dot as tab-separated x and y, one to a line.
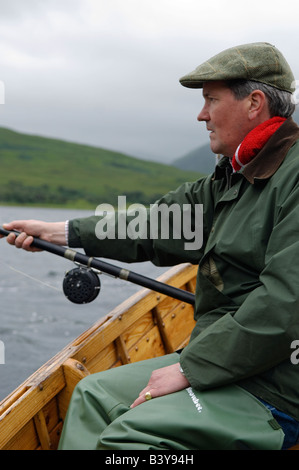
280	102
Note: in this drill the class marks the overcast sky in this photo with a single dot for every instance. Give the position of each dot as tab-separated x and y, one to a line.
106	72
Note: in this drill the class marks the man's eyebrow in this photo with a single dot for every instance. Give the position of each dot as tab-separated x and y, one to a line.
206	94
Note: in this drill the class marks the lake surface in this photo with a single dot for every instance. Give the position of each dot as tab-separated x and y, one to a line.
37	320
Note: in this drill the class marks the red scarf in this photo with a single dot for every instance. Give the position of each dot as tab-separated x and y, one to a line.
254	141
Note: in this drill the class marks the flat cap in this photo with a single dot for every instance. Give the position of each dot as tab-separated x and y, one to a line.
259	61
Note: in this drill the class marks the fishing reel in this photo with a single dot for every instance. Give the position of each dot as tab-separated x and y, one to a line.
81	285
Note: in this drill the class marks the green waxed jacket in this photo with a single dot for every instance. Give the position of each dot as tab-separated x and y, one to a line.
247	295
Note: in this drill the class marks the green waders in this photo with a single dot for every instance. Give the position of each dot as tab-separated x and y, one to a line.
100	417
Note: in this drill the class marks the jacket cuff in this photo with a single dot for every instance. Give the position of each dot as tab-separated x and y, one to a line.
74	239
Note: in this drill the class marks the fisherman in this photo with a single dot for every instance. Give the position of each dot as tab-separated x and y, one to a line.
234	385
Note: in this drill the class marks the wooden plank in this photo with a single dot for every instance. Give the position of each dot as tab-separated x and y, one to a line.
51	413
167	306
12	398
150	345
73	372
97	361
175	322
132	334
178	325
191	285
55	435
122	351
42	430
25	439
28	405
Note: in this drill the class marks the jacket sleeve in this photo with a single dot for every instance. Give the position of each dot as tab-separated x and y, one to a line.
141	234
258	335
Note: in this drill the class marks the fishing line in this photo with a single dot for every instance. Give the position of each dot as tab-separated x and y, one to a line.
29	276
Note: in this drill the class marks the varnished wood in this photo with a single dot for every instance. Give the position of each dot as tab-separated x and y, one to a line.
144	326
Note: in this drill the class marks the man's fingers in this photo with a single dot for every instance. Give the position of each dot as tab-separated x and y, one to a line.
27	244
19	240
11	238
23	241
146	395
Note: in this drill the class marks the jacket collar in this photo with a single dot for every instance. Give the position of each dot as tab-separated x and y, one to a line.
271	156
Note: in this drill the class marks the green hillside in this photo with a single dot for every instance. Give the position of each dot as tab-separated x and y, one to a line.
200	159
50	172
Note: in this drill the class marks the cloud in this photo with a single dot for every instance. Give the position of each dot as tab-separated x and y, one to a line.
106	72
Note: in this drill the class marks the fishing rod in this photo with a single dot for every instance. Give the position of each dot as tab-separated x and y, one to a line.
82	284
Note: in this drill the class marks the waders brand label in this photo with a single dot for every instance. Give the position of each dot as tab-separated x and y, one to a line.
194	399
159	221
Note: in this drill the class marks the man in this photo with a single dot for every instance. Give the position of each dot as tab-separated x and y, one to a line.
223	390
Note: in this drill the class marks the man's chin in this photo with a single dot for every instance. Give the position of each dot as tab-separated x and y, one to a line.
216	149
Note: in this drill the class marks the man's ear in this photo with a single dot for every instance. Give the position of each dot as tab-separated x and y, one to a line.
257	104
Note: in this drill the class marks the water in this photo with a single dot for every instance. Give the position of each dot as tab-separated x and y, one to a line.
37	320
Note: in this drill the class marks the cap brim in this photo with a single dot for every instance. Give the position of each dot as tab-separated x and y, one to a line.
191	83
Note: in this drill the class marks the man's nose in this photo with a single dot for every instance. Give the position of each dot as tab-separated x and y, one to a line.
203	115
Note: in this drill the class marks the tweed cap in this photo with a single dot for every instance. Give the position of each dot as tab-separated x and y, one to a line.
260	62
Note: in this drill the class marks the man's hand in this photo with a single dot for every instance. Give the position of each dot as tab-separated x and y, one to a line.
53	232
162	382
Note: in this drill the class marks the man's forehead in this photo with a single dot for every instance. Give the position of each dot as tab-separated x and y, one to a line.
214	87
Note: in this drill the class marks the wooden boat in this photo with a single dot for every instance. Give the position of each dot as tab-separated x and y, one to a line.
146	325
